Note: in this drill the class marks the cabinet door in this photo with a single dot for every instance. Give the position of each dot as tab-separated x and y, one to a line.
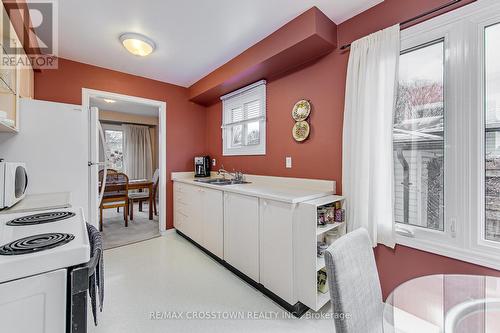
42	296
241	233
8	75
212	221
25	75
26	80
276	251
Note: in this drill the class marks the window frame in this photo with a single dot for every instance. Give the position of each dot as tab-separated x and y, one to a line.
479	242
239	98
464	87
415	43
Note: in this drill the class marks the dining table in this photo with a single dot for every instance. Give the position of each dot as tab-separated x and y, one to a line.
444	303
137	184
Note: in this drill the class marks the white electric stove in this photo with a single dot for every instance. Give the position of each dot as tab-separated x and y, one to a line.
42	279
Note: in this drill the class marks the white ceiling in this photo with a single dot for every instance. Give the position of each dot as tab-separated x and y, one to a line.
193	37
125	107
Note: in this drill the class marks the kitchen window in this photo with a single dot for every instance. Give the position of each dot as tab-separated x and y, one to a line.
446	136
244	121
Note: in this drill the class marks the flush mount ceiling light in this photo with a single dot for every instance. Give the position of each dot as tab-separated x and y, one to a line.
137	44
109	100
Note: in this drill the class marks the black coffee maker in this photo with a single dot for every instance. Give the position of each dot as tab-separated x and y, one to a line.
202	166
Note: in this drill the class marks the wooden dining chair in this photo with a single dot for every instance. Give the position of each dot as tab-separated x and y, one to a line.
110	171
144	196
115	194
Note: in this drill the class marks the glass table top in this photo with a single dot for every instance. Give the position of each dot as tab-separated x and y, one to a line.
444	303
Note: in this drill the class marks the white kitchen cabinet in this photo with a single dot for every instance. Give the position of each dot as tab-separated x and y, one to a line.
276	248
187	210
15	81
273	242
212	221
241	233
198	213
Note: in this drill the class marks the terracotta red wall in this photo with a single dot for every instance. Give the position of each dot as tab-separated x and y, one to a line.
185	120
320	156
323	82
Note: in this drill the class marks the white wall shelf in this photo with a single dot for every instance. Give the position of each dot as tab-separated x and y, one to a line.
307	237
323	229
16	81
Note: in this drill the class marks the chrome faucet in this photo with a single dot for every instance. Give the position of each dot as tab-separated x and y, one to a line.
236	175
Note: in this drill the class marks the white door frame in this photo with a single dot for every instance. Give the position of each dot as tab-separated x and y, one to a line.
162	149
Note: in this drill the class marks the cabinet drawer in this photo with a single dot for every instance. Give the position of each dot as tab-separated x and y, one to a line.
185	196
179	220
187	209
178	187
182	210
181	200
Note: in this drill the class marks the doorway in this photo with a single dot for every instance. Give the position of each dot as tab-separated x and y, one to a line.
128	135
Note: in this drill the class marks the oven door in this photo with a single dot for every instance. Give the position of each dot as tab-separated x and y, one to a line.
35	304
16	183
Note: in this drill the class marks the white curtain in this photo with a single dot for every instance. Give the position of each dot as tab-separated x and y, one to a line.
137	154
368	166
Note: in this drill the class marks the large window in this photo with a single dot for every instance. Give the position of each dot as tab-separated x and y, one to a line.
114	140
446	135
244	121
492	133
419	137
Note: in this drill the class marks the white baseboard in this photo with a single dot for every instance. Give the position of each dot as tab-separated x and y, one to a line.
168	232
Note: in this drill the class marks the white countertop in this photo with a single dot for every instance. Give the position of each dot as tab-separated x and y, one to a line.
289	190
43	201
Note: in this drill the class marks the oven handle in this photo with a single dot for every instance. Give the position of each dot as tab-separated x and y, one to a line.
26	180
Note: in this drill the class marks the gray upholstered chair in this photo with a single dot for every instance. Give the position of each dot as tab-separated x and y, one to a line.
354	284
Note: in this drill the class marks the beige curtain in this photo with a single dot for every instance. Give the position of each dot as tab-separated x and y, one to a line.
137	153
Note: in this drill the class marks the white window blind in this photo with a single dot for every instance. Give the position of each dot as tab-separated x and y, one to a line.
237	115
244	120
253	109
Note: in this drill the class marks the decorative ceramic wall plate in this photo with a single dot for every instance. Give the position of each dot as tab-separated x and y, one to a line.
301	110
301	131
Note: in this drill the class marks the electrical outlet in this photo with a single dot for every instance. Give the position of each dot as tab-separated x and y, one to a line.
214	162
288	162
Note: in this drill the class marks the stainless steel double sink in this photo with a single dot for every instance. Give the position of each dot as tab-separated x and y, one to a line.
221	181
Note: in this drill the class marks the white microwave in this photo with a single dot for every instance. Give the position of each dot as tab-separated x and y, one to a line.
13	183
